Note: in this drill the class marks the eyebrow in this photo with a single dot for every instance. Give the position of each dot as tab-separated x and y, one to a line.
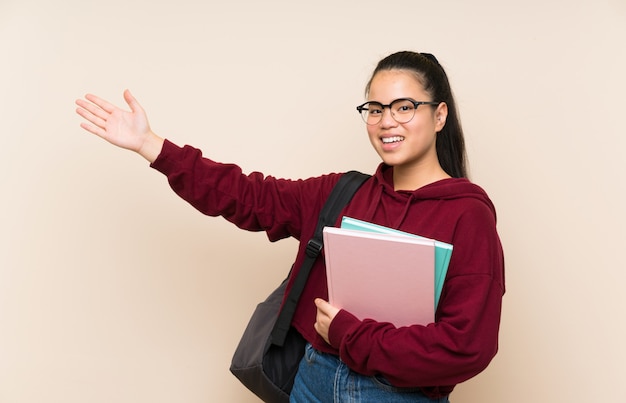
397	99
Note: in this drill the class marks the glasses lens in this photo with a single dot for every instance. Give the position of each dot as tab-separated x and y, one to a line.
402	110
372	112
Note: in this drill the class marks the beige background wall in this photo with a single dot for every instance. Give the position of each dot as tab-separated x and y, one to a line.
114	290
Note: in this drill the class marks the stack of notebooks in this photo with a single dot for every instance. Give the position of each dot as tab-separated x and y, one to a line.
380	273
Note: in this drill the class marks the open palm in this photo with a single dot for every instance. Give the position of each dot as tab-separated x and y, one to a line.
126	129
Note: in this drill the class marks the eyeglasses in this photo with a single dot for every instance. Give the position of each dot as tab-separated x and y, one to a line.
402	110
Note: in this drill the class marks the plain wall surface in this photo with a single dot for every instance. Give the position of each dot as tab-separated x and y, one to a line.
112	289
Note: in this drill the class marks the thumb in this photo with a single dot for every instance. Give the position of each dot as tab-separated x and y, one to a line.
132	101
320	304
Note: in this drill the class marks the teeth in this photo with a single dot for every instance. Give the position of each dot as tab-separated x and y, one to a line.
394	139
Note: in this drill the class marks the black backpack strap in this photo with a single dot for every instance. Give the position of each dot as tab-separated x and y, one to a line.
341	194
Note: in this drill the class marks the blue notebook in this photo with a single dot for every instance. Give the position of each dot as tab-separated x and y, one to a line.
443	251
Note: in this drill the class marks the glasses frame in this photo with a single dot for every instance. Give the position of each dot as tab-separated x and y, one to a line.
415	103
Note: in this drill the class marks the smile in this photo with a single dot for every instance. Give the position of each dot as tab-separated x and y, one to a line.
394	139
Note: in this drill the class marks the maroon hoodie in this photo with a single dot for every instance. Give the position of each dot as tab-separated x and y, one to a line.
464	337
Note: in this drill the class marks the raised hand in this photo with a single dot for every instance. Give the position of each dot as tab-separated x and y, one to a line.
129	130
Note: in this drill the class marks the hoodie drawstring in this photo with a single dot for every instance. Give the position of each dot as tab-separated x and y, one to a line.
405	211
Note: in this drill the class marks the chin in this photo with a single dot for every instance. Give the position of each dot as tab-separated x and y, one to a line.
391	161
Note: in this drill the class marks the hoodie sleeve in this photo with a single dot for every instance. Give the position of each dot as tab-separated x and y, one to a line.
253	202
464	337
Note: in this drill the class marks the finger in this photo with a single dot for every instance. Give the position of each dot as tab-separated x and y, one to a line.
319	323
93	129
321	304
101	103
319	315
322	309
90	117
92	109
132	101
322	330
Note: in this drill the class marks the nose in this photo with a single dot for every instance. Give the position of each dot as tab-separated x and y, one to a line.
387	119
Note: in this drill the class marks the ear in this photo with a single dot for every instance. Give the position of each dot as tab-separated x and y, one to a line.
441	114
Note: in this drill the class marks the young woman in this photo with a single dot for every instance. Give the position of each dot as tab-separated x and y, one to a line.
420	187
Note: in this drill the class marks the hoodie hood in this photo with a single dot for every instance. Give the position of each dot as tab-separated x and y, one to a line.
384	195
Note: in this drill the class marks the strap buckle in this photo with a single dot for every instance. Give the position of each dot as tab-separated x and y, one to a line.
313	248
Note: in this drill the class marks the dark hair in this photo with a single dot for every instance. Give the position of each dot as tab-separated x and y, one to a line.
450	141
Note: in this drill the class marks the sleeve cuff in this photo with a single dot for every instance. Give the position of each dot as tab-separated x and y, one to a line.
341	326
165	161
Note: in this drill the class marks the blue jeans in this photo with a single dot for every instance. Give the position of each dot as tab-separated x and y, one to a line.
324	378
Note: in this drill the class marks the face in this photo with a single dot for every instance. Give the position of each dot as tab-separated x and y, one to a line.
408	145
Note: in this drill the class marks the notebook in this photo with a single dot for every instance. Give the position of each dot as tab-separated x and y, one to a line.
385	277
443	251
